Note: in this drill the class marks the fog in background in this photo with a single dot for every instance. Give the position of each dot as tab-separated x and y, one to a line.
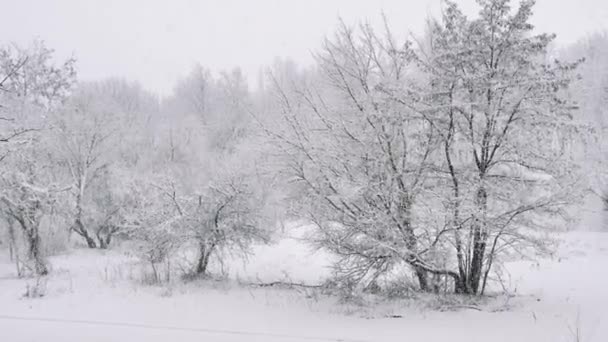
157	42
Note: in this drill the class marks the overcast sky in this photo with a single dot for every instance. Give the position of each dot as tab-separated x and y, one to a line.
156	42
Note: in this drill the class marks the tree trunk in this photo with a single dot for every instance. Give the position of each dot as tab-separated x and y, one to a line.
78	225
29	226
12	241
203	259
90	241
423	279
477	264
35	249
104	239
155	276
13	245
108	240
460	286
412	245
82	231
479	242
36	253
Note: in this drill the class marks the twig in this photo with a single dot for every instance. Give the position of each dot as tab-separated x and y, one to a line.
284	284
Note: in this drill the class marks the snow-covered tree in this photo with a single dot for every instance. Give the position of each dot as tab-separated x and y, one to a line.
30	196
443	156
358	157
98	133
32	86
202	175
591	92
498	103
215	102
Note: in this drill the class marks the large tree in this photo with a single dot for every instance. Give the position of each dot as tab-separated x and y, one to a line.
498	101
443	156
358	156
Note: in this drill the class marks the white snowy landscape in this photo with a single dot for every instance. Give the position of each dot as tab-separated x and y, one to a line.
92	296
348	171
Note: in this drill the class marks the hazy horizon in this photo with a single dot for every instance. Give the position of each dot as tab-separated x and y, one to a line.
158	42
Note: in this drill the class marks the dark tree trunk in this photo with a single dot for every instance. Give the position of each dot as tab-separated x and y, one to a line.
203	259
36	254
34	245
90	242
82	231
29	226
423	279
78	226
479	242
477	265
108	240
201	266
35	248
104	239
460	285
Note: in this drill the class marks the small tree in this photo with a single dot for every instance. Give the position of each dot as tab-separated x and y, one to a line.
225	218
28	198
93	130
151	221
221	217
205	184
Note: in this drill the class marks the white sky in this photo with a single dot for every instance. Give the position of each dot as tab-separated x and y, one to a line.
156	42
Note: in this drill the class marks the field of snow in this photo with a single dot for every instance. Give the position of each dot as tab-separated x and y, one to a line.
92	296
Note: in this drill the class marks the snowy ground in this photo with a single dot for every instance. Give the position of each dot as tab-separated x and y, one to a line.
91	296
